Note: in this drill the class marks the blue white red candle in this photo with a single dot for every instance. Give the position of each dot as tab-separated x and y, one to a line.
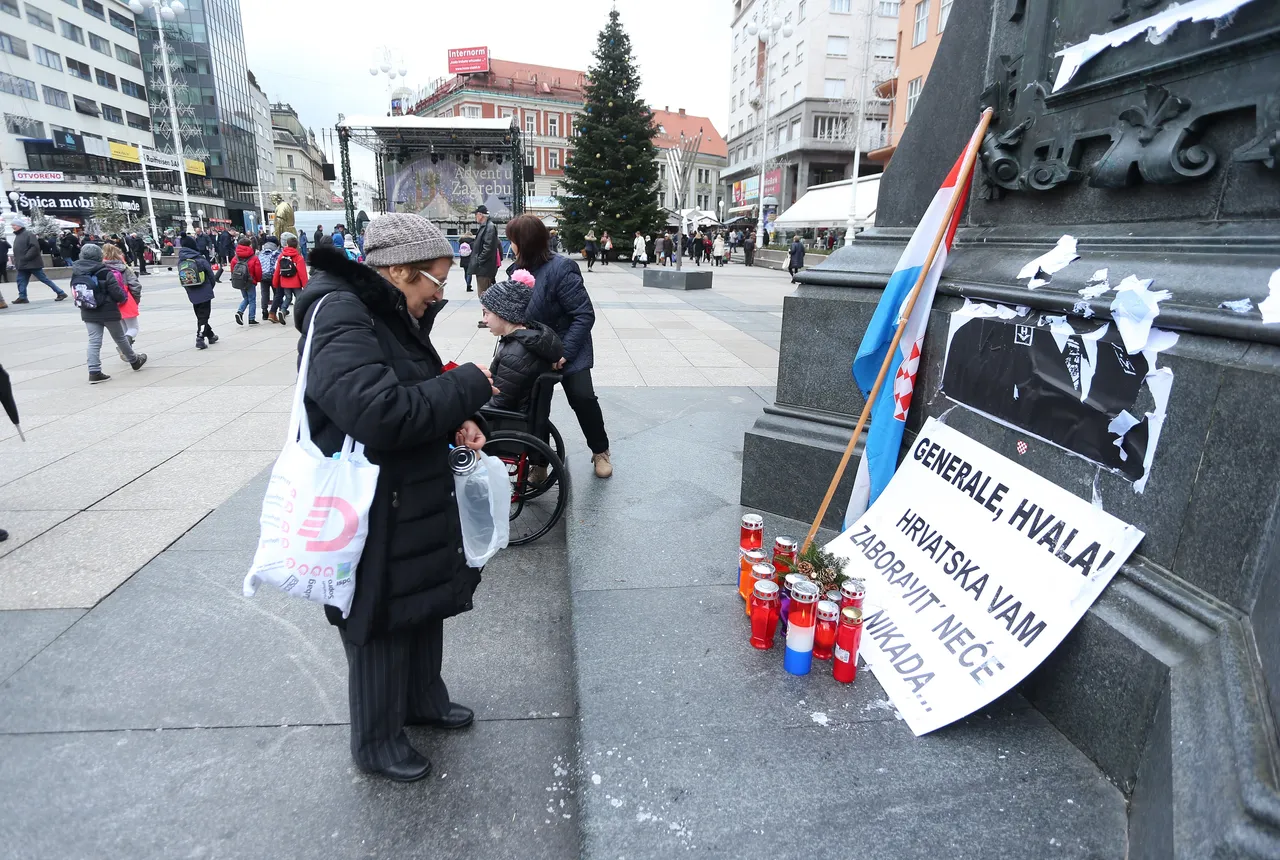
801	624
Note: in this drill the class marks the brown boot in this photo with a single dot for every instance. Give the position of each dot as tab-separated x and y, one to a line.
604	468
272	317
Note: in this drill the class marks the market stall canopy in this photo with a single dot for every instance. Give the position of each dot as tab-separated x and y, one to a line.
828	205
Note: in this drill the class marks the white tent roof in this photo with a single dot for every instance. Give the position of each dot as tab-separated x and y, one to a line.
427	123
828	205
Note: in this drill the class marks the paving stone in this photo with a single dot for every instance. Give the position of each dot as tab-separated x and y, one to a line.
25	633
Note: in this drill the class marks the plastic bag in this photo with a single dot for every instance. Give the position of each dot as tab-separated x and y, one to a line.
484	508
315	516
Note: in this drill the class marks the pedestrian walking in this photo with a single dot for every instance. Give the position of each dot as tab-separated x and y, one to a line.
319	238
375	375
302	243
560	301
196	275
668	250
695	247
717	250
138	249
749	249
290	277
29	262
113	259
267	258
795	262
638	252
226	246
590	250
99	296
464	258
4	261
338	238
246	274
606	248
485	252
69	246
203	244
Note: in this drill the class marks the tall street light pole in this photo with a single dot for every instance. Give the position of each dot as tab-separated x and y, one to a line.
851	224
767	33
168	10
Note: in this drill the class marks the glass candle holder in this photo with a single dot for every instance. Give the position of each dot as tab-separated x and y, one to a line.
747	559
802	620
760	573
764	614
824	635
752	534
848	638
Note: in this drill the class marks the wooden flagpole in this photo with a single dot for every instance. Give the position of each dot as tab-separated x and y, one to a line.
957	199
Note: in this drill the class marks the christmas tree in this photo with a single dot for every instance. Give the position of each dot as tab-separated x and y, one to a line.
611	181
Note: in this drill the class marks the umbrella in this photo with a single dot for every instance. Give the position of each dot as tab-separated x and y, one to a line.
7	401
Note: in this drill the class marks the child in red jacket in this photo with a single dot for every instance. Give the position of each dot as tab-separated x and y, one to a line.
290	276
246	272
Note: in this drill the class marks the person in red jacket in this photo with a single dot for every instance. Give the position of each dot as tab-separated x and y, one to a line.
246	271
290	276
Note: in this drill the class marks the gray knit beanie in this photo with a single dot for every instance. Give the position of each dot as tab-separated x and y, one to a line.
508	299
92	252
400	238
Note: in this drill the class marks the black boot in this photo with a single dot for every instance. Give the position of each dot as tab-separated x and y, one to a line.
209	335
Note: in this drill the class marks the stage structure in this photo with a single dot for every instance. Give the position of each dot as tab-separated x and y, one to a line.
439	167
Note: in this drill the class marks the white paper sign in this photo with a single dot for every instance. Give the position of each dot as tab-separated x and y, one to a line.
975	569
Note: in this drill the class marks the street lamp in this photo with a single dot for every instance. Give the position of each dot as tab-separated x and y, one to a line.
13	201
767	33
168	10
383	63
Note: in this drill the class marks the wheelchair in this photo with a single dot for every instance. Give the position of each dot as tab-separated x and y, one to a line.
533	451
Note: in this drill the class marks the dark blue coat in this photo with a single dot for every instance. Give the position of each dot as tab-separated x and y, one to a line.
797	255
204	292
560	301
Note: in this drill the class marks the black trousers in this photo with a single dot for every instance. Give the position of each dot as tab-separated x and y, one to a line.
392	680
581	395
202	318
265	302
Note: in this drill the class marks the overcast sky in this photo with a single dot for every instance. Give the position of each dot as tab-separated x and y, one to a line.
316	55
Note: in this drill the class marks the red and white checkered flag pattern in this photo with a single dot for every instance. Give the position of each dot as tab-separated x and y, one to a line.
904	382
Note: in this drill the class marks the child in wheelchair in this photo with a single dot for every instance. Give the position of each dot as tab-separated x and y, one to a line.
525	350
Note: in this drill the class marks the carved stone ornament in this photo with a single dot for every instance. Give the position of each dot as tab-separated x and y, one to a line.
1152	141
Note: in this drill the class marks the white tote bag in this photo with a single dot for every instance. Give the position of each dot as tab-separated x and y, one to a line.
315	516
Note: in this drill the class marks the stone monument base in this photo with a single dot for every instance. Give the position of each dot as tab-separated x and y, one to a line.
670	279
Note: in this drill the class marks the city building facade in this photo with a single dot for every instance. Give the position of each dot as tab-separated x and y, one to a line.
712	156
810	85
299	161
264	145
74	97
921	24
206	42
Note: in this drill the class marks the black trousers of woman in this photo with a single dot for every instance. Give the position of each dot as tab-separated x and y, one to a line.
581	395
393	681
203	328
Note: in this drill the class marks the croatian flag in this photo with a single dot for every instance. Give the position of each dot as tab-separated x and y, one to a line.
889	414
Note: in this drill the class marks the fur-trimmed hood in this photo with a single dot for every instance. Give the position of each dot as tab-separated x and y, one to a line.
332	270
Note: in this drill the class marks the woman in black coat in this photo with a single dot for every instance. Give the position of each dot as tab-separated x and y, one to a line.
375	376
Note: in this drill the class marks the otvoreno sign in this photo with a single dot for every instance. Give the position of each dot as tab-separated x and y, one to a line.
38	176
467	61
975	569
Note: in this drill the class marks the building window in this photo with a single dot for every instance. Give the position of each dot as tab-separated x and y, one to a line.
530	124
23	126
95	9
921	31
120	22
800	12
293	184
888	8
39	18
796	95
841	6
48	58
553	159
99	44
833	88
793	133
830	127
472	111
88	107
799	53
884	49
773	73
837	46
913	94
17	86
105	79
289	160
505	113
138	121
112	114
129	88
10	45
742	96
79	70
71	31
11	7
553	126
944	12
128	57
57	98
786	64
733	103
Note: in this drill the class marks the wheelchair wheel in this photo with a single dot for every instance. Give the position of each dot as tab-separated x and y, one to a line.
536	505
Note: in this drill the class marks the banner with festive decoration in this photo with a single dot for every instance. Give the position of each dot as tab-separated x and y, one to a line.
450	190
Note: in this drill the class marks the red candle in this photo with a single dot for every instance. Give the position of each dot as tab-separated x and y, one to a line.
852	593
848	637
785	551
760	573
824	637
747	559
752	534
764	613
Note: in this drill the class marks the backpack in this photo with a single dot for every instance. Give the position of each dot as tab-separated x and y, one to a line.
268	261
240	274
84	286
190	274
287	267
